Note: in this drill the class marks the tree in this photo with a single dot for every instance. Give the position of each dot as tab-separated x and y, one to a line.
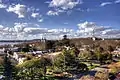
49	44
7	68
67	62
65	37
85	55
44	62
99	52
110	49
59	63
82	67
26	48
75	51
29	70
105	58
65	41
100	49
34	68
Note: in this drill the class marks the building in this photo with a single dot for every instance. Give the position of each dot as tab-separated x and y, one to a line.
19	57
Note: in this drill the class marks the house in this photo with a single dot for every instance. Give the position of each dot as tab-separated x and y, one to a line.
67	47
2	53
19	57
82	49
117	51
95	38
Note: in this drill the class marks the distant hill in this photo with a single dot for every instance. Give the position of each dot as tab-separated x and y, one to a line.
103	43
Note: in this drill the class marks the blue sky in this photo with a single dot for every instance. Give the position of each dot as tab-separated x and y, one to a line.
59	14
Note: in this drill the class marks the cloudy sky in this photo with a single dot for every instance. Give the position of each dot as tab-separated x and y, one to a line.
51	19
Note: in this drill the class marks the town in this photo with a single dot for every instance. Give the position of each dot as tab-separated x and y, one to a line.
59	40
66	59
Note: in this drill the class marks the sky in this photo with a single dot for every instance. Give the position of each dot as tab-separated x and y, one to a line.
51	19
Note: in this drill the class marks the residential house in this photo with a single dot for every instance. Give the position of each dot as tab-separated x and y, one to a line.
19	57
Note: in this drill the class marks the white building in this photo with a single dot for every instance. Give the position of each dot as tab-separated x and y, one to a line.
19	57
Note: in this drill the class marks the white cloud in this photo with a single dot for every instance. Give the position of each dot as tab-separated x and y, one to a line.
18	9
40	20
90	28
52	13
64	4
86	25
33	31
32	9
21	10
47	2
66	23
55	12
60	6
19	27
117	1
34	15
1	26
105	3
111	32
3	5
79	9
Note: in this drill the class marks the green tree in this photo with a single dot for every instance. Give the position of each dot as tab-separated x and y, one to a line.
67	62
65	41
7	68
59	63
44	63
29	70
99	52
33	69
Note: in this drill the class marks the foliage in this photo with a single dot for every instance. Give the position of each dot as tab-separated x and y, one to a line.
59	63
34	68
92	67
64	42
7	68
110	48
29	63
49	44
86	55
67	62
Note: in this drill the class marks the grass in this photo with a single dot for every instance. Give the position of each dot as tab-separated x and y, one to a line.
93	65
